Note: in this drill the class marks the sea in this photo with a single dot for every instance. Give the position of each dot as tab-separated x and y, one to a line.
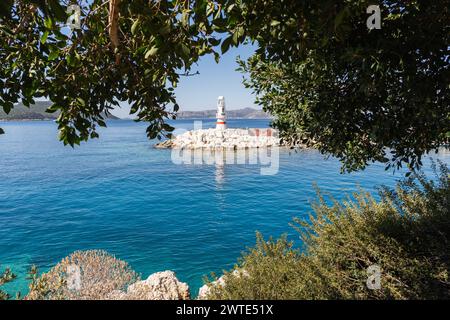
155	208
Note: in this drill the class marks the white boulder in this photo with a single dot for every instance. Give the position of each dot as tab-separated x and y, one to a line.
158	286
204	291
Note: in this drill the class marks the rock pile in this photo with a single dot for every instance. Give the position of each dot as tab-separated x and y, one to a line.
223	139
158	286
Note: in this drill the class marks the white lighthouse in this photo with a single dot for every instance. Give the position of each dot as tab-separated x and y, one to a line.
221	119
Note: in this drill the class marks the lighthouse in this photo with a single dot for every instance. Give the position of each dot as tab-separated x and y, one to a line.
221	121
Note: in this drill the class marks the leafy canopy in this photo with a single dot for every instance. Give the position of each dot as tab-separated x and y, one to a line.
85	73
361	95
5	277
406	234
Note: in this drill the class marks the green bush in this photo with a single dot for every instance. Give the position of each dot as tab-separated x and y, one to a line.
406	233
5	277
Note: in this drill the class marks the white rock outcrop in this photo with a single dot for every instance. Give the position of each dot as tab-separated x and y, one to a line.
224	139
221	282
158	286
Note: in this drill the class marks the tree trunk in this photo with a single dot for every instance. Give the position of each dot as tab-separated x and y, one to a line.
113	23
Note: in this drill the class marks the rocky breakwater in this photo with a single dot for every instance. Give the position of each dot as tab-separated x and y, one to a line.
223	139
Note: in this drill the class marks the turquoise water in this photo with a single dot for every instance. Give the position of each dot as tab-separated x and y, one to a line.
122	195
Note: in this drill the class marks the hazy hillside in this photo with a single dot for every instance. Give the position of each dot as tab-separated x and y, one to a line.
34	112
37	112
246	113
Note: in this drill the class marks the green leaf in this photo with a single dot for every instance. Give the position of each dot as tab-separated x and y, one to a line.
101	123
235	38
167	127
134	26
134	108
6	30
176	107
241	31
81	101
48	23
150	53
7	106
57	10
237	35
186	50
70	60
94	135
226	44
214	41
2	131
44	37
53	55
165	29
230	7
274	23
151	134
52	109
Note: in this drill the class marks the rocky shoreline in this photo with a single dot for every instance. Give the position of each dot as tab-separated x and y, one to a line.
165	285
158	286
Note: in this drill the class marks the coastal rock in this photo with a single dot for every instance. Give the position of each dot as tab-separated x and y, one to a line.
167	144
204	291
158	286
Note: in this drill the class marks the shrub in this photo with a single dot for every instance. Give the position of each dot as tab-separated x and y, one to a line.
5	277
406	233
100	274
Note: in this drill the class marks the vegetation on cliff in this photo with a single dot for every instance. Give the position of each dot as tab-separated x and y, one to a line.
94	275
5	277
406	234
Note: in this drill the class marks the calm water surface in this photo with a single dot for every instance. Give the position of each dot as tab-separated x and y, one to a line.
122	195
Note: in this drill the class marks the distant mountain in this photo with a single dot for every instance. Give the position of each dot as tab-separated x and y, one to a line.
34	112
246	113
37	112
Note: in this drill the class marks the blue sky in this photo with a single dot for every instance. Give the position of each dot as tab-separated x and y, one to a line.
200	92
